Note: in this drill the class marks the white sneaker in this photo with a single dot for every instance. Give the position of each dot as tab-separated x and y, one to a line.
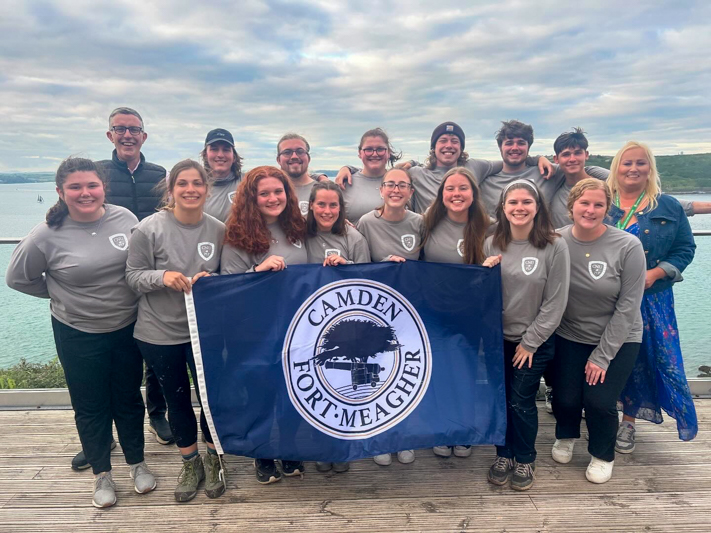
599	471
384	459
562	451
462	451
406	456
442	451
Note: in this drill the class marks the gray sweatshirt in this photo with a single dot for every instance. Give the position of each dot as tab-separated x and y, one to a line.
352	246
535	289
606	286
222	193
387	238
82	275
236	261
303	193
362	197
446	242
160	243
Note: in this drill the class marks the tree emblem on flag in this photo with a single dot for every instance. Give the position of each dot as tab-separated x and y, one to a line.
408	241
597	269
529	265
206	250
119	241
356	359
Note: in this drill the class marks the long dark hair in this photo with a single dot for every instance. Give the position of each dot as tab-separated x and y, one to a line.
542	234
477	219
339	227
59	211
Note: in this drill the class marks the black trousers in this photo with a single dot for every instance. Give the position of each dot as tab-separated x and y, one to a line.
522	385
170	364
155	402
572	394
103	372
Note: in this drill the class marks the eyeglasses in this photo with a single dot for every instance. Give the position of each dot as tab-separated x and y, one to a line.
289	152
133	130
380	150
390	185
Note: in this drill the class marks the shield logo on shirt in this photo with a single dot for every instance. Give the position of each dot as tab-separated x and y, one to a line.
332	251
529	265
408	241
597	269
231	196
297	244
119	241
206	250
460	247
304	207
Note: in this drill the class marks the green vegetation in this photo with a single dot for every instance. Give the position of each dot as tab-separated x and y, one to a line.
26	177
26	375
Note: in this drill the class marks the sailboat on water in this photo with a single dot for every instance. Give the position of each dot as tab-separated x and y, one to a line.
40	200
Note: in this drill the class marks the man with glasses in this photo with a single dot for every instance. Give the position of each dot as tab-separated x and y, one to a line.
132	184
294	158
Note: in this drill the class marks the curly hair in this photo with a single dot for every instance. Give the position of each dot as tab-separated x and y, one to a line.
246	228
477	219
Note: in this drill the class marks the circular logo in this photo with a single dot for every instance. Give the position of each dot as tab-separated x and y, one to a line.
356	358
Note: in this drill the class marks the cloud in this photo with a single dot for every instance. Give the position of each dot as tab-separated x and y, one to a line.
331	70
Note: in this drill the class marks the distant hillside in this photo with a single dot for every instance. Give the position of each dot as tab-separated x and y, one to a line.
679	173
25	177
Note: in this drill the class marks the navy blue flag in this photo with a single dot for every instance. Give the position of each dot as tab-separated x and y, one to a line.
342	363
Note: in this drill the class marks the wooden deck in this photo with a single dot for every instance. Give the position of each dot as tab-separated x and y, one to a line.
664	486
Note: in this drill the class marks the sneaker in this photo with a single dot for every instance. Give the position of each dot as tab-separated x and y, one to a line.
214	476
292	468
143	479
79	461
323	466
406	456
341	467
625	437
104	490
191	475
500	471
523	476
442	451
159	426
266	471
462	451
384	459
549	400
599	471
562	451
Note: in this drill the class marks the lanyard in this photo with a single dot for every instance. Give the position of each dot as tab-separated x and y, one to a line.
622	223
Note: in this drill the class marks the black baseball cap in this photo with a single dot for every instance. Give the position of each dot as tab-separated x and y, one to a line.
219	135
447	127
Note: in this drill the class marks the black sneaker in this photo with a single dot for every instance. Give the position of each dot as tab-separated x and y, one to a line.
500	471
292	468
79	461
159	426
266	471
523	476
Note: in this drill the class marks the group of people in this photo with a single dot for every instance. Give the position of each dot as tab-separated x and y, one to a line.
115	256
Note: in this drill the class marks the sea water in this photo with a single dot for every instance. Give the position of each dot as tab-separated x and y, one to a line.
25	329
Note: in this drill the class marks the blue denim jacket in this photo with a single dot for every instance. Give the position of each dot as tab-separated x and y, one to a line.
666	237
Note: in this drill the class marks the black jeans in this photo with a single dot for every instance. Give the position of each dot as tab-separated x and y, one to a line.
522	385
572	394
103	372
155	403
170	364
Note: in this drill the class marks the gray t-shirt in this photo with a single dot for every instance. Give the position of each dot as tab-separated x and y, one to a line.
386	238
236	261
222	194
535	289
303	192
362	197
82	274
606	286
352	246
446	242
160	243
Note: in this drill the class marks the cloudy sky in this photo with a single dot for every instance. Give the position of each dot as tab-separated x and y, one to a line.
331	70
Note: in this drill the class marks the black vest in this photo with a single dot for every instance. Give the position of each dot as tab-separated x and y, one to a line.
140	192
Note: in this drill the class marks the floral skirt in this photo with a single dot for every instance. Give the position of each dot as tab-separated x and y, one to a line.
658	381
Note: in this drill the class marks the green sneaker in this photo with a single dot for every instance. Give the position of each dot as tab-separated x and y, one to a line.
214	476
190	477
